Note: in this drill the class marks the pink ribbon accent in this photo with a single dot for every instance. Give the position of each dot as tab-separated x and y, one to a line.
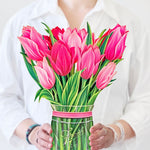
72	114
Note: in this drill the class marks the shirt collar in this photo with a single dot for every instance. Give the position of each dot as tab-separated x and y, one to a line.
43	7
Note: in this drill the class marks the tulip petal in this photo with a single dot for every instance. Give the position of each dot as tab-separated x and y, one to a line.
37	38
40	64
117	26
96	68
56	69
74	40
64	61
120	47
88	63
110	48
48	41
74	55
56	31
49	70
26	31
55	50
66	35
97	54
31	49
61	56
43	77
114	38
82	34
105	75
123	30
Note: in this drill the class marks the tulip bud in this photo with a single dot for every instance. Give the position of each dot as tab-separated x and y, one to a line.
116	44
74	39
34	45
89	61
45	74
61	58
105	75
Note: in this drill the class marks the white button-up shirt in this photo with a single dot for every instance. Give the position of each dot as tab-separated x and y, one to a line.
128	98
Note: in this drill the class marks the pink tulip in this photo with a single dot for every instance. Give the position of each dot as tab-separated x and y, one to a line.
89	61
116	43
57	31
45	74
105	75
34	45
61	58
75	38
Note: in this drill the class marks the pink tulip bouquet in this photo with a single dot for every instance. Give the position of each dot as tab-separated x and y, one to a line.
71	68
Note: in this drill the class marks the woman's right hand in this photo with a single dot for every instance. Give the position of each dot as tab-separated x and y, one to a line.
40	137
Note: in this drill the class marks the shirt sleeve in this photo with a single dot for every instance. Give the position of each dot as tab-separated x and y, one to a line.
137	110
12	110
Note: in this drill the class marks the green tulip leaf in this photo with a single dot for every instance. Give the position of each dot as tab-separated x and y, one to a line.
101	34
82	97
90	83
103	46
71	89
105	63
100	42
89	37
30	67
93	98
59	87
53	40
47	94
113	80
117	61
37	94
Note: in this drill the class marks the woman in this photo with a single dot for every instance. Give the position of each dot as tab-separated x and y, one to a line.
121	111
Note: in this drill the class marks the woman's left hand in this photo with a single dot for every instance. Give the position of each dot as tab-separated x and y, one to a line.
101	137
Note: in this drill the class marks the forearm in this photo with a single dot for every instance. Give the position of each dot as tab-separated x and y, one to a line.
23	127
39	136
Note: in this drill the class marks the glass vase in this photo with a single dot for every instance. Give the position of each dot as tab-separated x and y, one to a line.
71	133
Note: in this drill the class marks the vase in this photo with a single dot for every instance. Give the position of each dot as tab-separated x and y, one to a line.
71	127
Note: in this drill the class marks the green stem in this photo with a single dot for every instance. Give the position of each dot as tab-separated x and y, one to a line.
92	90
60	134
74	145
84	135
79	142
63	81
53	124
55	94
83	83
72	70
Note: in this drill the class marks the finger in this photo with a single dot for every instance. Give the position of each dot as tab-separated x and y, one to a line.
98	147
99	141
44	144
96	127
44	136
97	134
102	142
41	148
47	128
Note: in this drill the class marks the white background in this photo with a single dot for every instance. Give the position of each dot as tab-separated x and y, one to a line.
8	7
